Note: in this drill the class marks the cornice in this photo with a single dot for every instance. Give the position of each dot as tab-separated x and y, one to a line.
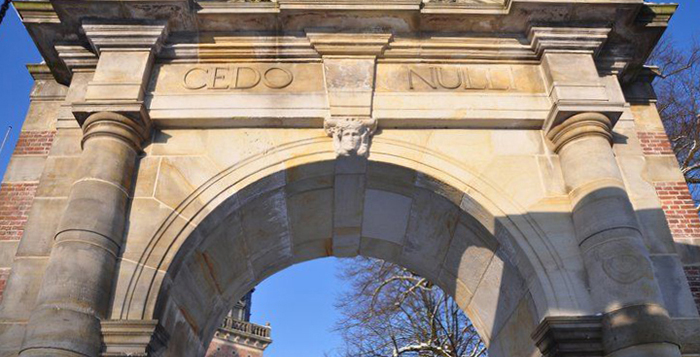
633	29
105	37
240	7
467	7
76	57
656	15
36	12
349	5
570	39
468	47
239	48
454	48
39	71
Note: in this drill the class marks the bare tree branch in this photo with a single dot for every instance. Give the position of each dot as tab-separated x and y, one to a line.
678	92
392	312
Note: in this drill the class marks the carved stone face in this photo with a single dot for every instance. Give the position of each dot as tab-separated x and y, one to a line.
351	140
350	136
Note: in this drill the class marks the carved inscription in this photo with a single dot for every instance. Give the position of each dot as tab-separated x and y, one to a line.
236	77
460	78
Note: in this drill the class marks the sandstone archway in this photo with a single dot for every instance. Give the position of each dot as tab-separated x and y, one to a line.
276	210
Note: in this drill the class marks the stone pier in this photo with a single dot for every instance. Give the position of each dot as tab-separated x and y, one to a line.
177	153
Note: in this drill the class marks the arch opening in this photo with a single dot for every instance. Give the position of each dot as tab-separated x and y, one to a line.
345	208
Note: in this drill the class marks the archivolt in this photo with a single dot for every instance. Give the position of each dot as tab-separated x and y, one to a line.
521	241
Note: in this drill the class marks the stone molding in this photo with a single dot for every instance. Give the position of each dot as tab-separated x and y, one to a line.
499	16
105	37
39	71
580	125
526	48
82	110
349	44
569	336
637	325
37	12
568	39
242	47
656	15
132	131
349	4
130	337
466	6
424	6
77	57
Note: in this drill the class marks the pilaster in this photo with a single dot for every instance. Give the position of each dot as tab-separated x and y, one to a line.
77	286
620	272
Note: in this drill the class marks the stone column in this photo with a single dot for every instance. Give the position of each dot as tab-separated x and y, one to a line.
620	273
76	290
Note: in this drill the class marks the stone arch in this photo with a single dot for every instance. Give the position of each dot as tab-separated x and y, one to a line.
483	249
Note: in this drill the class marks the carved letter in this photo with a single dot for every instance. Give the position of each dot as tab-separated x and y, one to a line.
475	79
430	83
500	78
441	82
218	76
274	82
188	84
252	83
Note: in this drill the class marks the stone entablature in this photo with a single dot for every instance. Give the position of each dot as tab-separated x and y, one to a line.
488	146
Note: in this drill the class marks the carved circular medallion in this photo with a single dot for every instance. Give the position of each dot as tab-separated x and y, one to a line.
622	263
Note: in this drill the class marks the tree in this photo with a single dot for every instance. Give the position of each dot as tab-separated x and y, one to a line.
3	9
391	312
678	91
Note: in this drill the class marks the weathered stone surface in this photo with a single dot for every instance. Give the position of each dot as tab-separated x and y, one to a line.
504	165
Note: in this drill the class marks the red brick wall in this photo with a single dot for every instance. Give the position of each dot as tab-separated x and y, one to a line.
677	204
15	201
655	143
693	275
16	197
679	208
34	142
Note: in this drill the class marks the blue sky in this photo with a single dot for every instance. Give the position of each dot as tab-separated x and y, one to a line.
298	302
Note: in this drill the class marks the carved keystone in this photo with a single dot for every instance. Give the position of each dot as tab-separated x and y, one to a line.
349	65
351	136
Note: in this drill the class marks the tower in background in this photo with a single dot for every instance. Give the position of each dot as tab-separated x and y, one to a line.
237	336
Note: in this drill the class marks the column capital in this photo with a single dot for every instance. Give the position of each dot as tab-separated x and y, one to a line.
133	131
578	126
131	337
